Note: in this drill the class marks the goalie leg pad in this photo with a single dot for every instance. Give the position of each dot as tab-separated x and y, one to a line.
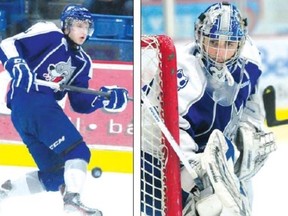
209	206
220	171
189	207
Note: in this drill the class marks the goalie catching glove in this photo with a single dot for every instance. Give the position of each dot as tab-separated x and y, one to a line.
20	73
255	146
117	101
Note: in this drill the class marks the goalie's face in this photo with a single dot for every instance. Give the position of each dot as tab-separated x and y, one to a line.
220	51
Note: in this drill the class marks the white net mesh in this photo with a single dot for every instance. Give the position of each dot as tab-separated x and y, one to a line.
155	154
152	143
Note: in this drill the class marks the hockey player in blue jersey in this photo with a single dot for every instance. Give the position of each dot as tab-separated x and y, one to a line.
221	119
48	53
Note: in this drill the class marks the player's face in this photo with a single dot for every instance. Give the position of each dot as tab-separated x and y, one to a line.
79	31
220	50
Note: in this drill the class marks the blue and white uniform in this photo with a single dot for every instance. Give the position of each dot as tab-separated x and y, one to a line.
200	114
218	78
50	58
44	127
45	52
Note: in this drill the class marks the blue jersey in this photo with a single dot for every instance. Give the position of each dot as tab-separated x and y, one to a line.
200	114
48	55
38	118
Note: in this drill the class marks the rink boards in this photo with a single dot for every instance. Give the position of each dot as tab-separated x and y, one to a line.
108	135
109	160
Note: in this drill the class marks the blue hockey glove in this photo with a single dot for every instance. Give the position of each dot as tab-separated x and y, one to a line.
118	98
20	73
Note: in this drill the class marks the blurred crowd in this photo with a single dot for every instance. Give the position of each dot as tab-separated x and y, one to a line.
112	7
17	15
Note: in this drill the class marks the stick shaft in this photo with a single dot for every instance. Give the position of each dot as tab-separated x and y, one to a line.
85	90
74	88
168	136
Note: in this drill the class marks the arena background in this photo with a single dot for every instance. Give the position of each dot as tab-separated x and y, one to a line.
268	26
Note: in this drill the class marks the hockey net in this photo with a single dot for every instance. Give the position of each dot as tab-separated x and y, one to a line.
160	171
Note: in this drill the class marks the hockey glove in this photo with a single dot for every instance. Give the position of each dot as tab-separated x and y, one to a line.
20	73
118	98
255	147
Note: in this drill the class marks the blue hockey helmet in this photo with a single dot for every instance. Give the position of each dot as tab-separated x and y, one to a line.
76	12
220	22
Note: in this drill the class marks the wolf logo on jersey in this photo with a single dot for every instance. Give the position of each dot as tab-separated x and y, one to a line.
60	72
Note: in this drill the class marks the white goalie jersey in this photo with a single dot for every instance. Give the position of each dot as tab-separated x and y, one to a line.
232	111
200	113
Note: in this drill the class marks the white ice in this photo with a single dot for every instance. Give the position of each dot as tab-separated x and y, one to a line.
112	193
270	184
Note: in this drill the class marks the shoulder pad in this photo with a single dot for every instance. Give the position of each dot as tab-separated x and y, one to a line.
43	27
251	52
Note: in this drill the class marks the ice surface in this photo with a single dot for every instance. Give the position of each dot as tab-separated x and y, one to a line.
112	193
270	184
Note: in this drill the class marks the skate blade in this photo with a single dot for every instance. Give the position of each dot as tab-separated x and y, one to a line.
74	211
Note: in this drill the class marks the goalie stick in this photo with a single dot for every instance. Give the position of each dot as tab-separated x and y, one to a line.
62	87
269	101
154	113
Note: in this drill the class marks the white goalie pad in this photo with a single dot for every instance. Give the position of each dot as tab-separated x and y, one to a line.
255	148
218	161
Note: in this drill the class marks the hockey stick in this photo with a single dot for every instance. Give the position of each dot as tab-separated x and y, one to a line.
154	113
62	87
269	101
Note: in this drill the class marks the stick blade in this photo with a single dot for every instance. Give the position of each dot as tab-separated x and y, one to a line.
269	101
269	105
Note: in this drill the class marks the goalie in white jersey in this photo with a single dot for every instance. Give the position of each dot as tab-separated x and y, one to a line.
221	119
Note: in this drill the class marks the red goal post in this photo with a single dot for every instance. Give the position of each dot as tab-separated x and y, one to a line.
160	166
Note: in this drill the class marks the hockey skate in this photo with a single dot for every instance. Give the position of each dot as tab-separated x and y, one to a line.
4	190
74	206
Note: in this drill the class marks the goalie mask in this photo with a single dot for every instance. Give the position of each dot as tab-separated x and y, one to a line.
222	31
220	34
72	13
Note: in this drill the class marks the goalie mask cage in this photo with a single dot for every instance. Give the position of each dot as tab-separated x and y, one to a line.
160	170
